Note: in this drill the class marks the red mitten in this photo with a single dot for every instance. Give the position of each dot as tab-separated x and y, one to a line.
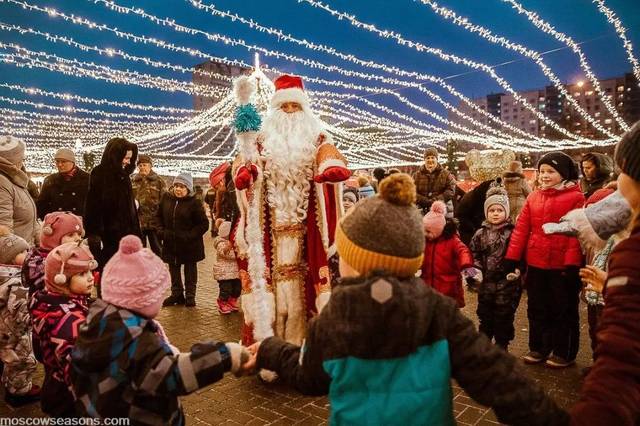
333	174
245	176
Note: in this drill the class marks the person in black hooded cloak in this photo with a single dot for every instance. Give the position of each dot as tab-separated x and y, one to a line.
110	209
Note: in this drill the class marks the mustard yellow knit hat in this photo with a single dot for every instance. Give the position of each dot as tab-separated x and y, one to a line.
384	232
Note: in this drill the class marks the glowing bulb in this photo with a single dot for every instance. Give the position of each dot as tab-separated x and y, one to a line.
580	83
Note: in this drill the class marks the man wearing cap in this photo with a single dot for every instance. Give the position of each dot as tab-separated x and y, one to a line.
433	182
148	188
65	190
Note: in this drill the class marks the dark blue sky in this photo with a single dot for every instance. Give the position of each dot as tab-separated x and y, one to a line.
578	18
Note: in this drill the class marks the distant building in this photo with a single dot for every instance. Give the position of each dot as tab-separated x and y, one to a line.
623	92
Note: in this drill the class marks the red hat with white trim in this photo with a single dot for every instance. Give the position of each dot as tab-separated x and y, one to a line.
289	88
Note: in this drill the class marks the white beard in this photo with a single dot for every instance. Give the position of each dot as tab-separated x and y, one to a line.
289	147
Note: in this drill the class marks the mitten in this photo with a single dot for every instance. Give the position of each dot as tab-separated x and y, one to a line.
239	356
513	276
333	175
565	228
474	274
245	176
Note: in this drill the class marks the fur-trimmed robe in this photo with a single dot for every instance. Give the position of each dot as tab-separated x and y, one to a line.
254	239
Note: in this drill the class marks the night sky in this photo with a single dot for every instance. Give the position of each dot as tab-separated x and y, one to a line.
578	18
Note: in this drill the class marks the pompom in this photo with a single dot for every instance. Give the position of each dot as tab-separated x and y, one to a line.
247	119
398	189
4	231
497	190
243	88
438	207
130	244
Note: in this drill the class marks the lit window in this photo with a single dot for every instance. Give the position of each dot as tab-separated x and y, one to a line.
541	99
621	96
607	121
620	103
589	93
543	128
628	89
576	95
597	114
620	88
541	106
577	123
532	121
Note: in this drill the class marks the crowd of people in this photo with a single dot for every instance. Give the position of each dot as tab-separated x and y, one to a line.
347	283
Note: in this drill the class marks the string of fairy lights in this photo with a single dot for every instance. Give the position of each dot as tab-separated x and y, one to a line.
364	111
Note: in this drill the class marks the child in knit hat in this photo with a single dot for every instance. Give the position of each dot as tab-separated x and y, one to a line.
225	271
123	363
58	228
15	342
446	257
57	312
553	261
498	297
385	347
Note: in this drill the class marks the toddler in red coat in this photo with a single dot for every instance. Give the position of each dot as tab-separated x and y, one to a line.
446	257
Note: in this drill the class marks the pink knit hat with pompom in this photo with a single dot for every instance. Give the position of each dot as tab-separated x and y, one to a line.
435	220
134	278
58	224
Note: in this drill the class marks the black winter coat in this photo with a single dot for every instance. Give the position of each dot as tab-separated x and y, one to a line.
110	210
58	194
182	223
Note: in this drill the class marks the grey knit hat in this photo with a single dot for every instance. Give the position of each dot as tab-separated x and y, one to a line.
627	155
396	242
186	180
12	149
497	195
65	154
11	245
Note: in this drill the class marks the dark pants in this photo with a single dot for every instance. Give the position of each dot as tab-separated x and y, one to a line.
154	242
190	280
554	322
497	305
229	288
594	313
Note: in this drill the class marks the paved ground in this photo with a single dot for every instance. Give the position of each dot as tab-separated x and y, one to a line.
247	401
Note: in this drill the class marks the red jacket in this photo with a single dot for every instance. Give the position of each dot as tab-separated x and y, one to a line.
611	391
544	251
444	260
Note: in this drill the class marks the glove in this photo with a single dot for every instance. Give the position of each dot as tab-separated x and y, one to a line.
559	228
513	276
474	274
239	356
